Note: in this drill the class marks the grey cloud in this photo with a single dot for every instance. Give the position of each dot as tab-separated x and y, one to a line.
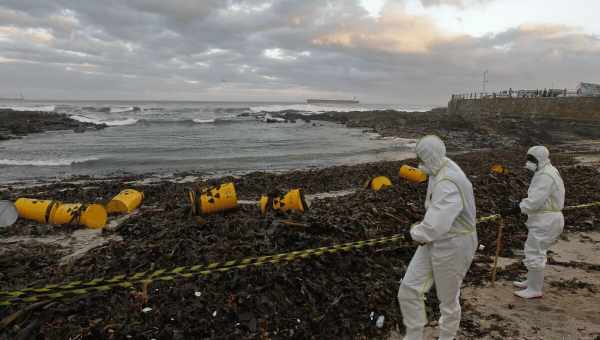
216	50
179	10
457	3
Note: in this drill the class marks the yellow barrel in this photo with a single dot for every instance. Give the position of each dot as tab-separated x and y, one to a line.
54	212
92	216
412	174
293	200
499	169
263	203
212	200
125	202
36	210
378	183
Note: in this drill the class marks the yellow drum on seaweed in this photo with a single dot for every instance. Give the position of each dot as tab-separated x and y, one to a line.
212	200
92	216
412	174
34	209
54	212
293	200
125	202
499	169
378	183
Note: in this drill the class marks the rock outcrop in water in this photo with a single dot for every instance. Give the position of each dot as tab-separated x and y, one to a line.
15	124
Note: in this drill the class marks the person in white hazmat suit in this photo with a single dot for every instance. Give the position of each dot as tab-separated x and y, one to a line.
448	240
545	221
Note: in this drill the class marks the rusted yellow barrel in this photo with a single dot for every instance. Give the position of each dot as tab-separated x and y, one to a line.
92	216
378	183
54	212
125	202
212	200
499	169
412	174
293	200
34	209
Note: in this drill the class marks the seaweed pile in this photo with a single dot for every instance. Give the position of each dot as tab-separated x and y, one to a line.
337	295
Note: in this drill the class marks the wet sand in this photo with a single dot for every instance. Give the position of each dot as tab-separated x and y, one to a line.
568	309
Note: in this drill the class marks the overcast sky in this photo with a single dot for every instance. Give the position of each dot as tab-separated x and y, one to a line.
395	51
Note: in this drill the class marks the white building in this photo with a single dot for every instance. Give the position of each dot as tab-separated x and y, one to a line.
588	89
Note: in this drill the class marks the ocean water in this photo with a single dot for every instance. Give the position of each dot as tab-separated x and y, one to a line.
210	138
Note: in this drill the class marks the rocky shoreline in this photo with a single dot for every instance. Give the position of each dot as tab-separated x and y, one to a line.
461	132
16	124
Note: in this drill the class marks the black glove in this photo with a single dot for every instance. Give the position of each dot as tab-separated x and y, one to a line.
513	209
406	234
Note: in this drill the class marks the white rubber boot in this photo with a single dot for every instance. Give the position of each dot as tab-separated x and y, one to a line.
535	284
520	284
415	334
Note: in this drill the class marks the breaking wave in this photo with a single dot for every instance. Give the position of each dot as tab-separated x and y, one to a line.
45	108
54	162
120	122
204	121
133	121
124	109
116	122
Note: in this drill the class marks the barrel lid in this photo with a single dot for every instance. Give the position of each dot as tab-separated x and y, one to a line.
8	213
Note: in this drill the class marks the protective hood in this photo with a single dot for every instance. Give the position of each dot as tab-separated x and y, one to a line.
542	155
432	153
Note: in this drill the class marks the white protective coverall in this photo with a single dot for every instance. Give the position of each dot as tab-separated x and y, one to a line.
543	206
449	241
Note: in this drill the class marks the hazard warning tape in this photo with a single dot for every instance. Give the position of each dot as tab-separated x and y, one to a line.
100	285
196	268
115	280
81	288
489	218
581	206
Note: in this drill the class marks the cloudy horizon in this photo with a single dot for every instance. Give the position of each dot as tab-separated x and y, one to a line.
394	51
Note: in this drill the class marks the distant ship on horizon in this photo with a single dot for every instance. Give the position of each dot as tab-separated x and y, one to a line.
332	101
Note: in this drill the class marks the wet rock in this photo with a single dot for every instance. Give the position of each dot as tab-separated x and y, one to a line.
21	123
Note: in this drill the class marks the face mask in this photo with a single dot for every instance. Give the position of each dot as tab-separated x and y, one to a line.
531	166
423	168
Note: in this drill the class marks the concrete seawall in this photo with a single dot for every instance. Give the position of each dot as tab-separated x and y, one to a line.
581	109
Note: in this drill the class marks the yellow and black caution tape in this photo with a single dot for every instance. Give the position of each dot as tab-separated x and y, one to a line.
489	218
196	268
184	272
98	282
80	288
581	206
